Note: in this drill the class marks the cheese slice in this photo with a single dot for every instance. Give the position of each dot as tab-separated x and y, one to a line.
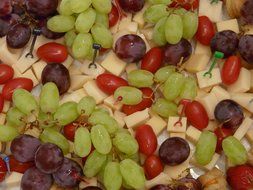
119	117
75	96
193	134
197	62
231	24
244	99
38	68
7	55
137	118
112	103
209	102
2	118
172	128
77	81
212	10
220	93
157	123
91	70
161	179
207	81
202	49
13	180
244	127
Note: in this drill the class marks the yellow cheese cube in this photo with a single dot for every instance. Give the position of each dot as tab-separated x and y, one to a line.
91	70
157	123
131	67
7	55
220	93
231	24
207	81
202	49
210	165
137	118
249	135
68	62
161	179
197	62
212	10
77	81
6	107
38	68
13	180
92	89
75	69
112	103
176	128
193	134
2	118
75	96
29	74
119	117
244	99
113	64
244	127
209	102
181	135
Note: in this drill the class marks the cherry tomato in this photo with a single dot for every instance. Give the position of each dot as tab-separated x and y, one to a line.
53	52
3	169
146	139
113	16
20	167
15	83
147	101
6	73
221	134
108	83
153	166
231	70
152	61
1	103
69	131
196	115
205	31
186	4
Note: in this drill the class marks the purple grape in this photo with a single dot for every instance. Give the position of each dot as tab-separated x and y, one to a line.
5	8
49	158
48	33
130	48
92	188
33	179
174	151
226	42
172	54
18	36
58	74
67	175
229	113
24	147
161	187
6	23
18	6
246	12
131	6
189	183
246	48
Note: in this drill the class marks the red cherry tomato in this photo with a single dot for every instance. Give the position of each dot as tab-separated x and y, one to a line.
196	115
153	166
240	177
152	61
1	103
147	101
108	83
53	52
6	73
13	84
186	4
16	166
205	31
146	139
231	70
3	170
221	134
69	131
113	16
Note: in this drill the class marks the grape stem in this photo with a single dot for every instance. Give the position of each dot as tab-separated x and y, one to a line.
36	33
183	102
96	47
217	55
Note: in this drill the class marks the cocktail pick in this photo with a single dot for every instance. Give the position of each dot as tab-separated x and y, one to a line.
36	33
96	48
217	55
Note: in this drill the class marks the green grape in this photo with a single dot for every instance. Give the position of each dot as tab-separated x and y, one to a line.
180	11
8	133
125	143
135	157
102	35
205	147
166	2
103	6
25	101
174	29
154	13
82	142
85	21
64	8
140	78
94	164
112	176
70	37
190	24
45	120
103	19
173	86
86	105
132	174
128	95
82	46
190	88
101	139
15	117
100	175
163	73
49	98
164	108
61	23
52	136
66	113
158	35
78	6
234	150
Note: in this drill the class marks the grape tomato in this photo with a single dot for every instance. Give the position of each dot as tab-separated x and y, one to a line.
153	166
19	167
6	73
3	169
231	70
113	16
205	31
152	60
69	131
186	4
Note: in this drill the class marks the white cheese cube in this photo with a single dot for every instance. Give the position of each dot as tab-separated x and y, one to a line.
249	136
161	179
91	70
88	182
2	119
220	93
131	67
173	127
112	103
113	64
209	102
207	81
126	24
6	107
92	90
202	49
244	99
193	134
210	165
244	127
30	75
68	62
77	81
75	96
180	135
243	82
197	62
231	24
137	118
119	117
38	68
157	123
7	55
13	180
212	11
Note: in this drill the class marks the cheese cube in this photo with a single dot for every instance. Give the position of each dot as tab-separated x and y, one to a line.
210	165
68	62
161	179
243	82
91	70
75	96
119	117
13	180
7	55
176	128
138	17
197	62
131	67
220	93
244	127
77	81
212	125
200	93
112	103
29	74
126	24
251	81
231	24
181	135
148	33
209	102
248	29
2	118
244	99
249	136
113	64
212	10
193	134
206	81
6	107
88	182
16	71
75	69
35	132
137	118
92	89
202	49
38	68
157	123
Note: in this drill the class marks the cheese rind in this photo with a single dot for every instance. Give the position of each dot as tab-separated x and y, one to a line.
231	24
137	118
243	128
176	128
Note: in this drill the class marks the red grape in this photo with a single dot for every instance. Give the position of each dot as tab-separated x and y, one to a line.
205	31
152	60
231	70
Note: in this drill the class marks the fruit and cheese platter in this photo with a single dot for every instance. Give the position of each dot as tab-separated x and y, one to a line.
126	94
